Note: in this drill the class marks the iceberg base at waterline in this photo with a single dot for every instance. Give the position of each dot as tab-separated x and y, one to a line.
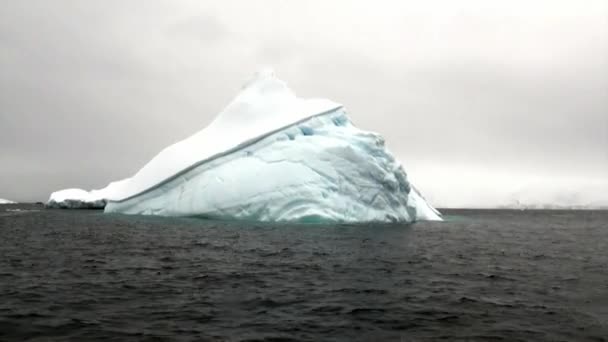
269	156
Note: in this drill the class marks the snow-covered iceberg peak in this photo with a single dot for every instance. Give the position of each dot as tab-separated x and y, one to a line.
271	156
265	104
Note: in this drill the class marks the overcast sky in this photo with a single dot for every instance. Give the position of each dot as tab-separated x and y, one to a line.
484	102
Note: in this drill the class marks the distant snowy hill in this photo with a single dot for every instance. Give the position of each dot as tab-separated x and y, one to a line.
5	201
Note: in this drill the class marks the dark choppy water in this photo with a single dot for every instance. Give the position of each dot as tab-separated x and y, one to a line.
484	275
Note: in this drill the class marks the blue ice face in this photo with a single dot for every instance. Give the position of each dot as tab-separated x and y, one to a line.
321	170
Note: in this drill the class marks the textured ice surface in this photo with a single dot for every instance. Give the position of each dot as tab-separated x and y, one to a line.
5	201
269	156
321	169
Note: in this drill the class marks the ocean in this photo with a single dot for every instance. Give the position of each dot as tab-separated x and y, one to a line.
482	275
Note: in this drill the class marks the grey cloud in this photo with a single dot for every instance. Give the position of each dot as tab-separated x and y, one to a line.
205	28
89	92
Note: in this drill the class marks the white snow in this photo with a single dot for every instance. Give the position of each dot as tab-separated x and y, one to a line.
5	201
269	156
81	199
264	105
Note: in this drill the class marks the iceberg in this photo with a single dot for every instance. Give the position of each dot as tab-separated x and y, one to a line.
5	201
82	199
269	156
